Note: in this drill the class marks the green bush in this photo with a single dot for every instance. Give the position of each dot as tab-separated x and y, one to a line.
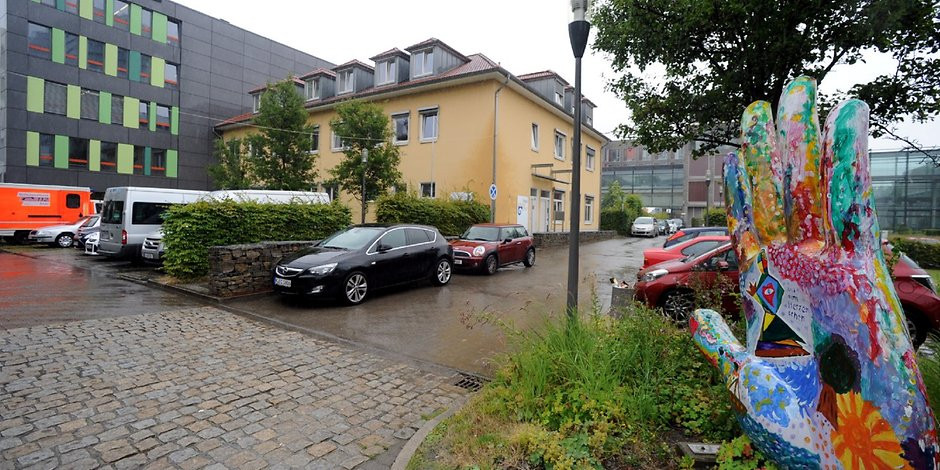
716	218
926	255
451	217
619	220
189	230
929	363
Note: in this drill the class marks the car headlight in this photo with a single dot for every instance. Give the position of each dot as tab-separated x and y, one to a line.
654	275
478	251
322	269
42	233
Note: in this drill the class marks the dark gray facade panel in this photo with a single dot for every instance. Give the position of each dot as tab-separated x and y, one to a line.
51	17
52	71
16	101
52	176
193	73
222	30
257	67
147	92
192	45
257	53
103	132
102	82
52	124
233	57
15	8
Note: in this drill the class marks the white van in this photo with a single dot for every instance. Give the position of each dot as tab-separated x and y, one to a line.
268	196
130	214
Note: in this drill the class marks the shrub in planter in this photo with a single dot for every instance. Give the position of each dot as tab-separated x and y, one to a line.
619	220
451	217
189	230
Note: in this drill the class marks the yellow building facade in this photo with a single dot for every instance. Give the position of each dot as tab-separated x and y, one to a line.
465	128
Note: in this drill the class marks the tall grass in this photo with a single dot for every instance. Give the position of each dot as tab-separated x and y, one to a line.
928	360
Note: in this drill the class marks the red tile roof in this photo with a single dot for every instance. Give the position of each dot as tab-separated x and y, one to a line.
353	63
391	52
236	119
319	71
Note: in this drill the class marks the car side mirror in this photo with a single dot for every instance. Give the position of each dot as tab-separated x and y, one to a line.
722	265
507	240
382	248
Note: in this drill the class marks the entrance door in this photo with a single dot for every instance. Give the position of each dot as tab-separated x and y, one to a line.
545	210
522	210
533	223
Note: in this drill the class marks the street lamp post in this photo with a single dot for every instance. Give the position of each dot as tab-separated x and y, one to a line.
578	31
708	191
365	160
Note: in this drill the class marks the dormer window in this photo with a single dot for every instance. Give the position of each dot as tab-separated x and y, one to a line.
424	62
345	81
312	89
256	102
386	72
559	99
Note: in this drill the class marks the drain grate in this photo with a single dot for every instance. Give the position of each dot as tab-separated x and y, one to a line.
470	382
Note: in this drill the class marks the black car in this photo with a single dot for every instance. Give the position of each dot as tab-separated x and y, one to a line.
352	263
693	232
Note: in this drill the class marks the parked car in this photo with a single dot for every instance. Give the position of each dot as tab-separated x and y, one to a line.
692	232
643	226
131	213
668	286
661	227
152	249
488	246
674	225
692	247
85	230
352	263
91	243
61	235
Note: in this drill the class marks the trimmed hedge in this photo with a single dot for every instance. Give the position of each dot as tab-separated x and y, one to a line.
619	220
189	230
451	217
716	217
926	255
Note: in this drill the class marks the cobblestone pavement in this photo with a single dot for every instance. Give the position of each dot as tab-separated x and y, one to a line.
202	388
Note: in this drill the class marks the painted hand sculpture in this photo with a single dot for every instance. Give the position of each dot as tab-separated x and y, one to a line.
828	378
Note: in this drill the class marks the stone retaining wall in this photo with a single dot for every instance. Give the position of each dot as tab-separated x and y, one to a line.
546	239
246	269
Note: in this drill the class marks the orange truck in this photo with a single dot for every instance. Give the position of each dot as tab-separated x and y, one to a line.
27	207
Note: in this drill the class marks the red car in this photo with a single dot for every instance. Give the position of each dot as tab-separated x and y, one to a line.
669	285
691	247
488	246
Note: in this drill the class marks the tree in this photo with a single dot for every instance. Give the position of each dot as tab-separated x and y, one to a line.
280	157
232	170
717	56
362	126
614	199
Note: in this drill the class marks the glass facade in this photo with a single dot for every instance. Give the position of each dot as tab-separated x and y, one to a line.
661	187
906	185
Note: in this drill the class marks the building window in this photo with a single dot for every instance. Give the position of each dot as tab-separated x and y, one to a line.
71	49
386	72
256	102
535	137
117	109
428	189
346	81
559	99
588	209
423	63
315	140
95	55
122	15
560	140
89	105
98	10
71	6
46	146
146	23
312	89
139	159
330	188
56	98
144	113
337	143
588	120
558	205
157	162
163	118
429	125
400	123
122	62
109	157
145	61
40	41
171	76
589	159
173	33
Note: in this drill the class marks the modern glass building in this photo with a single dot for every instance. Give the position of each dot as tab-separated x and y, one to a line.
907	189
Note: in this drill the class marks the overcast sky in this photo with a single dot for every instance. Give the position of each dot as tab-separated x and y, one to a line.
522	35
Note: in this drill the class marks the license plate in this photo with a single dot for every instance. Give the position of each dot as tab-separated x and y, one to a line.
281	282
148	255
458	261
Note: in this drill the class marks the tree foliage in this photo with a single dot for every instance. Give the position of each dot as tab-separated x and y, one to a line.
232	170
618	199
280	150
717	56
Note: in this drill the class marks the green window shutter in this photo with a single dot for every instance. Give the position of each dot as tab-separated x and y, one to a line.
159	27
104	107
60	5
131	112
110	59
171	162
135	19
94	155
125	157
147	161
82	52
35	94
32	148
133	66
109	12
58	46
61	151
73	107
157	65
85	9
152	117
174	120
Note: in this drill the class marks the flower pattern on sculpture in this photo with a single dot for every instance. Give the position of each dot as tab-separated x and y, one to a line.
864	439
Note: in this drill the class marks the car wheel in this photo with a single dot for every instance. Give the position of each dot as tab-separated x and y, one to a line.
529	259
442	272
355	288
64	240
678	305
490	265
916	326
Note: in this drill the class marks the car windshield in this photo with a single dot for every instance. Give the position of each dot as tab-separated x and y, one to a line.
352	238
89	221
703	255
643	220
479	233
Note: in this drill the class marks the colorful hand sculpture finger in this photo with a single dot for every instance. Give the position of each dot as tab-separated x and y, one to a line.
828	378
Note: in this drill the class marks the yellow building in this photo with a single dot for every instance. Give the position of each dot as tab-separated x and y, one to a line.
463	123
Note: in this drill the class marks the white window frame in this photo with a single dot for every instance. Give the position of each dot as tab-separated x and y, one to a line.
256	102
433	189
437	127
390	68
422	67
589	156
312	83
315	134
560	99
589	209
535	137
345	85
564	143
333	139
407	116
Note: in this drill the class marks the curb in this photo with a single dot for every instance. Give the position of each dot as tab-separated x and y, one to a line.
408	451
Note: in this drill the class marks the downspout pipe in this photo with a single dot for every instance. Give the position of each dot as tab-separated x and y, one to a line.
495	132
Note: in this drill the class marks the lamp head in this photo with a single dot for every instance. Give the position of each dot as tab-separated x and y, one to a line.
579	9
